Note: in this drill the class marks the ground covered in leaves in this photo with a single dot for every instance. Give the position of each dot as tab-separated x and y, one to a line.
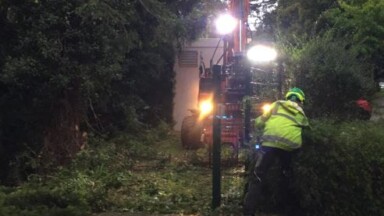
339	171
149	174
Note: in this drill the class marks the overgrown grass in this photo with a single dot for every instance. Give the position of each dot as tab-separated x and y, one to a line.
147	173
339	171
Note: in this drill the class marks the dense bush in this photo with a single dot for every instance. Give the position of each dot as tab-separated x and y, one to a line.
84	186
340	170
332	78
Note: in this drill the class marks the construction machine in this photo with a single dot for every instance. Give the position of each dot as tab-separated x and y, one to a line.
239	98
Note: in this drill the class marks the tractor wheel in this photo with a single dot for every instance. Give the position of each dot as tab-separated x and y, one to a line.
191	133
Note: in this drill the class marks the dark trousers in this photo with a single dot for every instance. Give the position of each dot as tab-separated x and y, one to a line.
264	159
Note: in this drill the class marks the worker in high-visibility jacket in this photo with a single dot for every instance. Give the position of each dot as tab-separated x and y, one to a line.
282	128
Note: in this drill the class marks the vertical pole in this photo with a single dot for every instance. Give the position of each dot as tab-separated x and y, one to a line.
240	35
247	107
216	151
247	120
240	17
280	78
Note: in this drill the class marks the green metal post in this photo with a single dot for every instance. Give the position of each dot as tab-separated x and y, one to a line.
247	108
247	120
216	150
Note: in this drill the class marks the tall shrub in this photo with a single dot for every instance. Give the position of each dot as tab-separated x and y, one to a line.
340	171
332	77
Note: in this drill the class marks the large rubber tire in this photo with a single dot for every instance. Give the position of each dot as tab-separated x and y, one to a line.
191	132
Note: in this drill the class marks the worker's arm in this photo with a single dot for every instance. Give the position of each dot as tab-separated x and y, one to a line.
305	123
259	122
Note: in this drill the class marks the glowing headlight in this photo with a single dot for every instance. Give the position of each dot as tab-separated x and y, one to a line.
225	24
266	108
206	107
261	53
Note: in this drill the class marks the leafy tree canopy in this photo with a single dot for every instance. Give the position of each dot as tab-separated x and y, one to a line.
74	66
332	49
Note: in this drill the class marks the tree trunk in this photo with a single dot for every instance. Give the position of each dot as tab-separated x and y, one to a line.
63	137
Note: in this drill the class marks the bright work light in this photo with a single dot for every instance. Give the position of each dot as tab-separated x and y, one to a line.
261	53
225	24
206	107
266	108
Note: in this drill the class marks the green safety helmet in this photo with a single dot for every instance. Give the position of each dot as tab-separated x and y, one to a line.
295	93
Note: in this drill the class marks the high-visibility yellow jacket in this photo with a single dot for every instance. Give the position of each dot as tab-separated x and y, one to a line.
283	125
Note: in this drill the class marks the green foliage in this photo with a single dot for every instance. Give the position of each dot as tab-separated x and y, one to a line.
332	78
340	169
40	199
298	19
84	185
94	66
145	173
332	49
367	18
362	22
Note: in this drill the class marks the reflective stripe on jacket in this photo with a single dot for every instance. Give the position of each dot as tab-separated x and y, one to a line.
283	125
